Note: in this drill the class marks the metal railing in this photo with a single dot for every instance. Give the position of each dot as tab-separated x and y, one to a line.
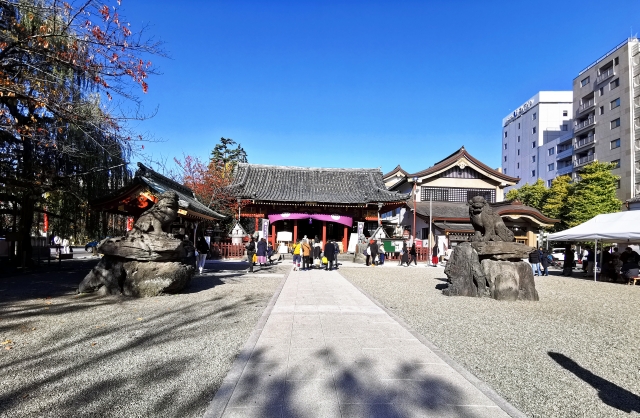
567	169
603	76
564	153
587	105
585	124
585	141
584	160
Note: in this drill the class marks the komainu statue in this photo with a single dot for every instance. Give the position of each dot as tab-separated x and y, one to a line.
159	217
487	224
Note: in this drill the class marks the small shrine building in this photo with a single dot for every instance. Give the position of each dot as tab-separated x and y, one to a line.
143	192
306	201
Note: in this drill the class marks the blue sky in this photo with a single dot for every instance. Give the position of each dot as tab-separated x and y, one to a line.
361	84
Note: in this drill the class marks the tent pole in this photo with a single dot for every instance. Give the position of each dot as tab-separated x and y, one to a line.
601	253
595	257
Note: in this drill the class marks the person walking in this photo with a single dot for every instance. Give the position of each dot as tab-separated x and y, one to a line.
329	253
317	251
534	259
337	248
306	255
434	255
414	254
251	251
544	261
591	261
374	252
262	252
297	258
404	258
569	257
367	253
203	250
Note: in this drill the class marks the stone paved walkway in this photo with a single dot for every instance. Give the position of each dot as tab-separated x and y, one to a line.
326	350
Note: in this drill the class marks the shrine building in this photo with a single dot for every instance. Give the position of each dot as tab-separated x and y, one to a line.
143	192
441	194
323	202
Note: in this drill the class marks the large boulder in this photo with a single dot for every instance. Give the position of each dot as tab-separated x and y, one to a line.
493	269
107	276
146	279
144	247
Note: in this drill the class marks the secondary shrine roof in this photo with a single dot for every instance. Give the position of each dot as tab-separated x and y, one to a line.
308	184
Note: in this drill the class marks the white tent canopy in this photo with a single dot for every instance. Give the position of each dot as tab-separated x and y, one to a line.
620	227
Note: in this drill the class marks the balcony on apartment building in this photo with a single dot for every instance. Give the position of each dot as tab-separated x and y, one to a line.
580	161
586	105
583	142
564	153
564	170
604	74
587	123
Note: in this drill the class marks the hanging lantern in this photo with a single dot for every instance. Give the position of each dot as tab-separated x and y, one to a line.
129	223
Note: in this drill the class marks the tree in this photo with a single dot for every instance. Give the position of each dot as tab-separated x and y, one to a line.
223	155
533	195
593	195
555	203
59	65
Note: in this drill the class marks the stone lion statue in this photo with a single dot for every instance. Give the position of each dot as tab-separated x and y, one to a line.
159	218
487	224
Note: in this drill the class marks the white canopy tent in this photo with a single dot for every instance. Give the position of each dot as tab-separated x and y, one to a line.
619	227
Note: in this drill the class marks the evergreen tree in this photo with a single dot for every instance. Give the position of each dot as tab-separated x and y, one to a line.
533	195
593	195
225	157
555	204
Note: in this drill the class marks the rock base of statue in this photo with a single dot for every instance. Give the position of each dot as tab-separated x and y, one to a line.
491	269
141	266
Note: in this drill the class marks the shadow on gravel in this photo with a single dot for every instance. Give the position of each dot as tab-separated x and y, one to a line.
610	393
309	386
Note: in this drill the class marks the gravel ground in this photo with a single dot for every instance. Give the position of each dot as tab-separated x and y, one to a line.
575	353
83	355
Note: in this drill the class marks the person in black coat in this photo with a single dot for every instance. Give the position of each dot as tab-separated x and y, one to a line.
404	259
544	261
251	250
569	255
534	259
374	252
329	253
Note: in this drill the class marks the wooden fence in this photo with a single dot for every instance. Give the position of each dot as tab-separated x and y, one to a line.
422	254
227	250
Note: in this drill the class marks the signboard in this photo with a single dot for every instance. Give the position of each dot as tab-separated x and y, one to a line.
208	232
405	234
418	243
265	229
284	236
353	241
360	229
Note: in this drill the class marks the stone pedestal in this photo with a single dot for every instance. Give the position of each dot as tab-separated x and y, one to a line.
491	269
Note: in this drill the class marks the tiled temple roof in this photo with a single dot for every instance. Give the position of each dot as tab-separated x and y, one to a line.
307	184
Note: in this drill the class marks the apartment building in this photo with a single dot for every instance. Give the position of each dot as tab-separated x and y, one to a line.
607	123
531	138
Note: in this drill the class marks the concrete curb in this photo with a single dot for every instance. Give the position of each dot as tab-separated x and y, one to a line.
219	402
479	384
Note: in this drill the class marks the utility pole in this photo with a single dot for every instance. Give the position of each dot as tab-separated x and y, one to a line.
415	182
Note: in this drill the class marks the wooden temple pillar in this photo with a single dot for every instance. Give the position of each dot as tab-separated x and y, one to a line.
273	235
324	233
257	227
345	240
295	230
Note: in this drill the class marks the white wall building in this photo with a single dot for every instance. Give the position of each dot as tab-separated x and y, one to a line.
531	137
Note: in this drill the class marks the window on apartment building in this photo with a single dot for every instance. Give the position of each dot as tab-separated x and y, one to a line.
533	158
601	91
615	61
534	116
616	162
505	158
505	134
615	123
518	152
518	125
533	144
517	165
549	183
618	184
565	113
615	83
534	130
505	146
615	103
551	167
584	82
564	127
552	151
615	143
518	138
602	110
533	173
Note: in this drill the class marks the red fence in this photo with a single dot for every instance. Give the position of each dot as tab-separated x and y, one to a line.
225	250
422	254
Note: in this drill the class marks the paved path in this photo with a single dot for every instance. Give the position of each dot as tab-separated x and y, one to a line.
326	350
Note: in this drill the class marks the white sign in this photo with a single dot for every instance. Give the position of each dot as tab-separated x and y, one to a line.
265	229
284	236
360	228
519	111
